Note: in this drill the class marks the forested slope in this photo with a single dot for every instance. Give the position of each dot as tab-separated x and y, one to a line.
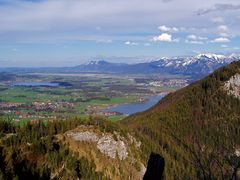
196	129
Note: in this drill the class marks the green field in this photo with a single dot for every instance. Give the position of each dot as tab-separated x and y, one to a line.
87	95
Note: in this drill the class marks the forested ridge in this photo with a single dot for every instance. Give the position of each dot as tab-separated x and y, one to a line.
42	151
196	129
33	152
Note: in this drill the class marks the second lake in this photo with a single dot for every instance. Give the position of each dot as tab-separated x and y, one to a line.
132	108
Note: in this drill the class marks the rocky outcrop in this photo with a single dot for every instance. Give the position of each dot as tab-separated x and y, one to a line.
84	136
116	154
233	86
106	144
155	167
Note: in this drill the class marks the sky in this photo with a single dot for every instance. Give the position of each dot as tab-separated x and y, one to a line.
72	32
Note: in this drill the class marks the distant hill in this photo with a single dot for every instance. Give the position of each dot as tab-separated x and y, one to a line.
195	66
196	129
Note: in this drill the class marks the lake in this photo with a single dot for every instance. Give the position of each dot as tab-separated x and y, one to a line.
132	108
36	84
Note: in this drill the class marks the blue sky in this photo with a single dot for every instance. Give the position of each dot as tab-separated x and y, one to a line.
71	32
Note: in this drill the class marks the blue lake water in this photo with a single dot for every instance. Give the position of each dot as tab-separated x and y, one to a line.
36	84
136	107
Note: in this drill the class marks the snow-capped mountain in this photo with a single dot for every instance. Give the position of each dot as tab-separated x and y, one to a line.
193	66
196	66
235	56
201	64
211	56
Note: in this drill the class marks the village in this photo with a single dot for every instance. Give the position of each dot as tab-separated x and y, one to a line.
36	113
177	83
10	104
39	110
51	105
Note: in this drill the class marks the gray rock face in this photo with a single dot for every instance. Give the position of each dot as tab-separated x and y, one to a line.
233	86
105	143
84	136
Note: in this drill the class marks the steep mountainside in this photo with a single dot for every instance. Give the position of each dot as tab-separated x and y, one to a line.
196	129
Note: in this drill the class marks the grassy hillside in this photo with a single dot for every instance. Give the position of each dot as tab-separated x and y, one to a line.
196	129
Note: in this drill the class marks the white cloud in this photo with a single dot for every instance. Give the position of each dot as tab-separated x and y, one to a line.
131	43
168	29
163	37
193	39
221	40
104	41
223	30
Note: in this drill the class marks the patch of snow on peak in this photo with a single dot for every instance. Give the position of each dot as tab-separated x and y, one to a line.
188	61
169	64
210	56
234	56
91	63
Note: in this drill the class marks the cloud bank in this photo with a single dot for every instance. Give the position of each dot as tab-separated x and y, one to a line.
24	20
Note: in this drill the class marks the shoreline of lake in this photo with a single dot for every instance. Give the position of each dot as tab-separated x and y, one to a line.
35	84
131	108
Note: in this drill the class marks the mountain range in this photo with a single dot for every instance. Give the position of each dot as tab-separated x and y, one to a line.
196	66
